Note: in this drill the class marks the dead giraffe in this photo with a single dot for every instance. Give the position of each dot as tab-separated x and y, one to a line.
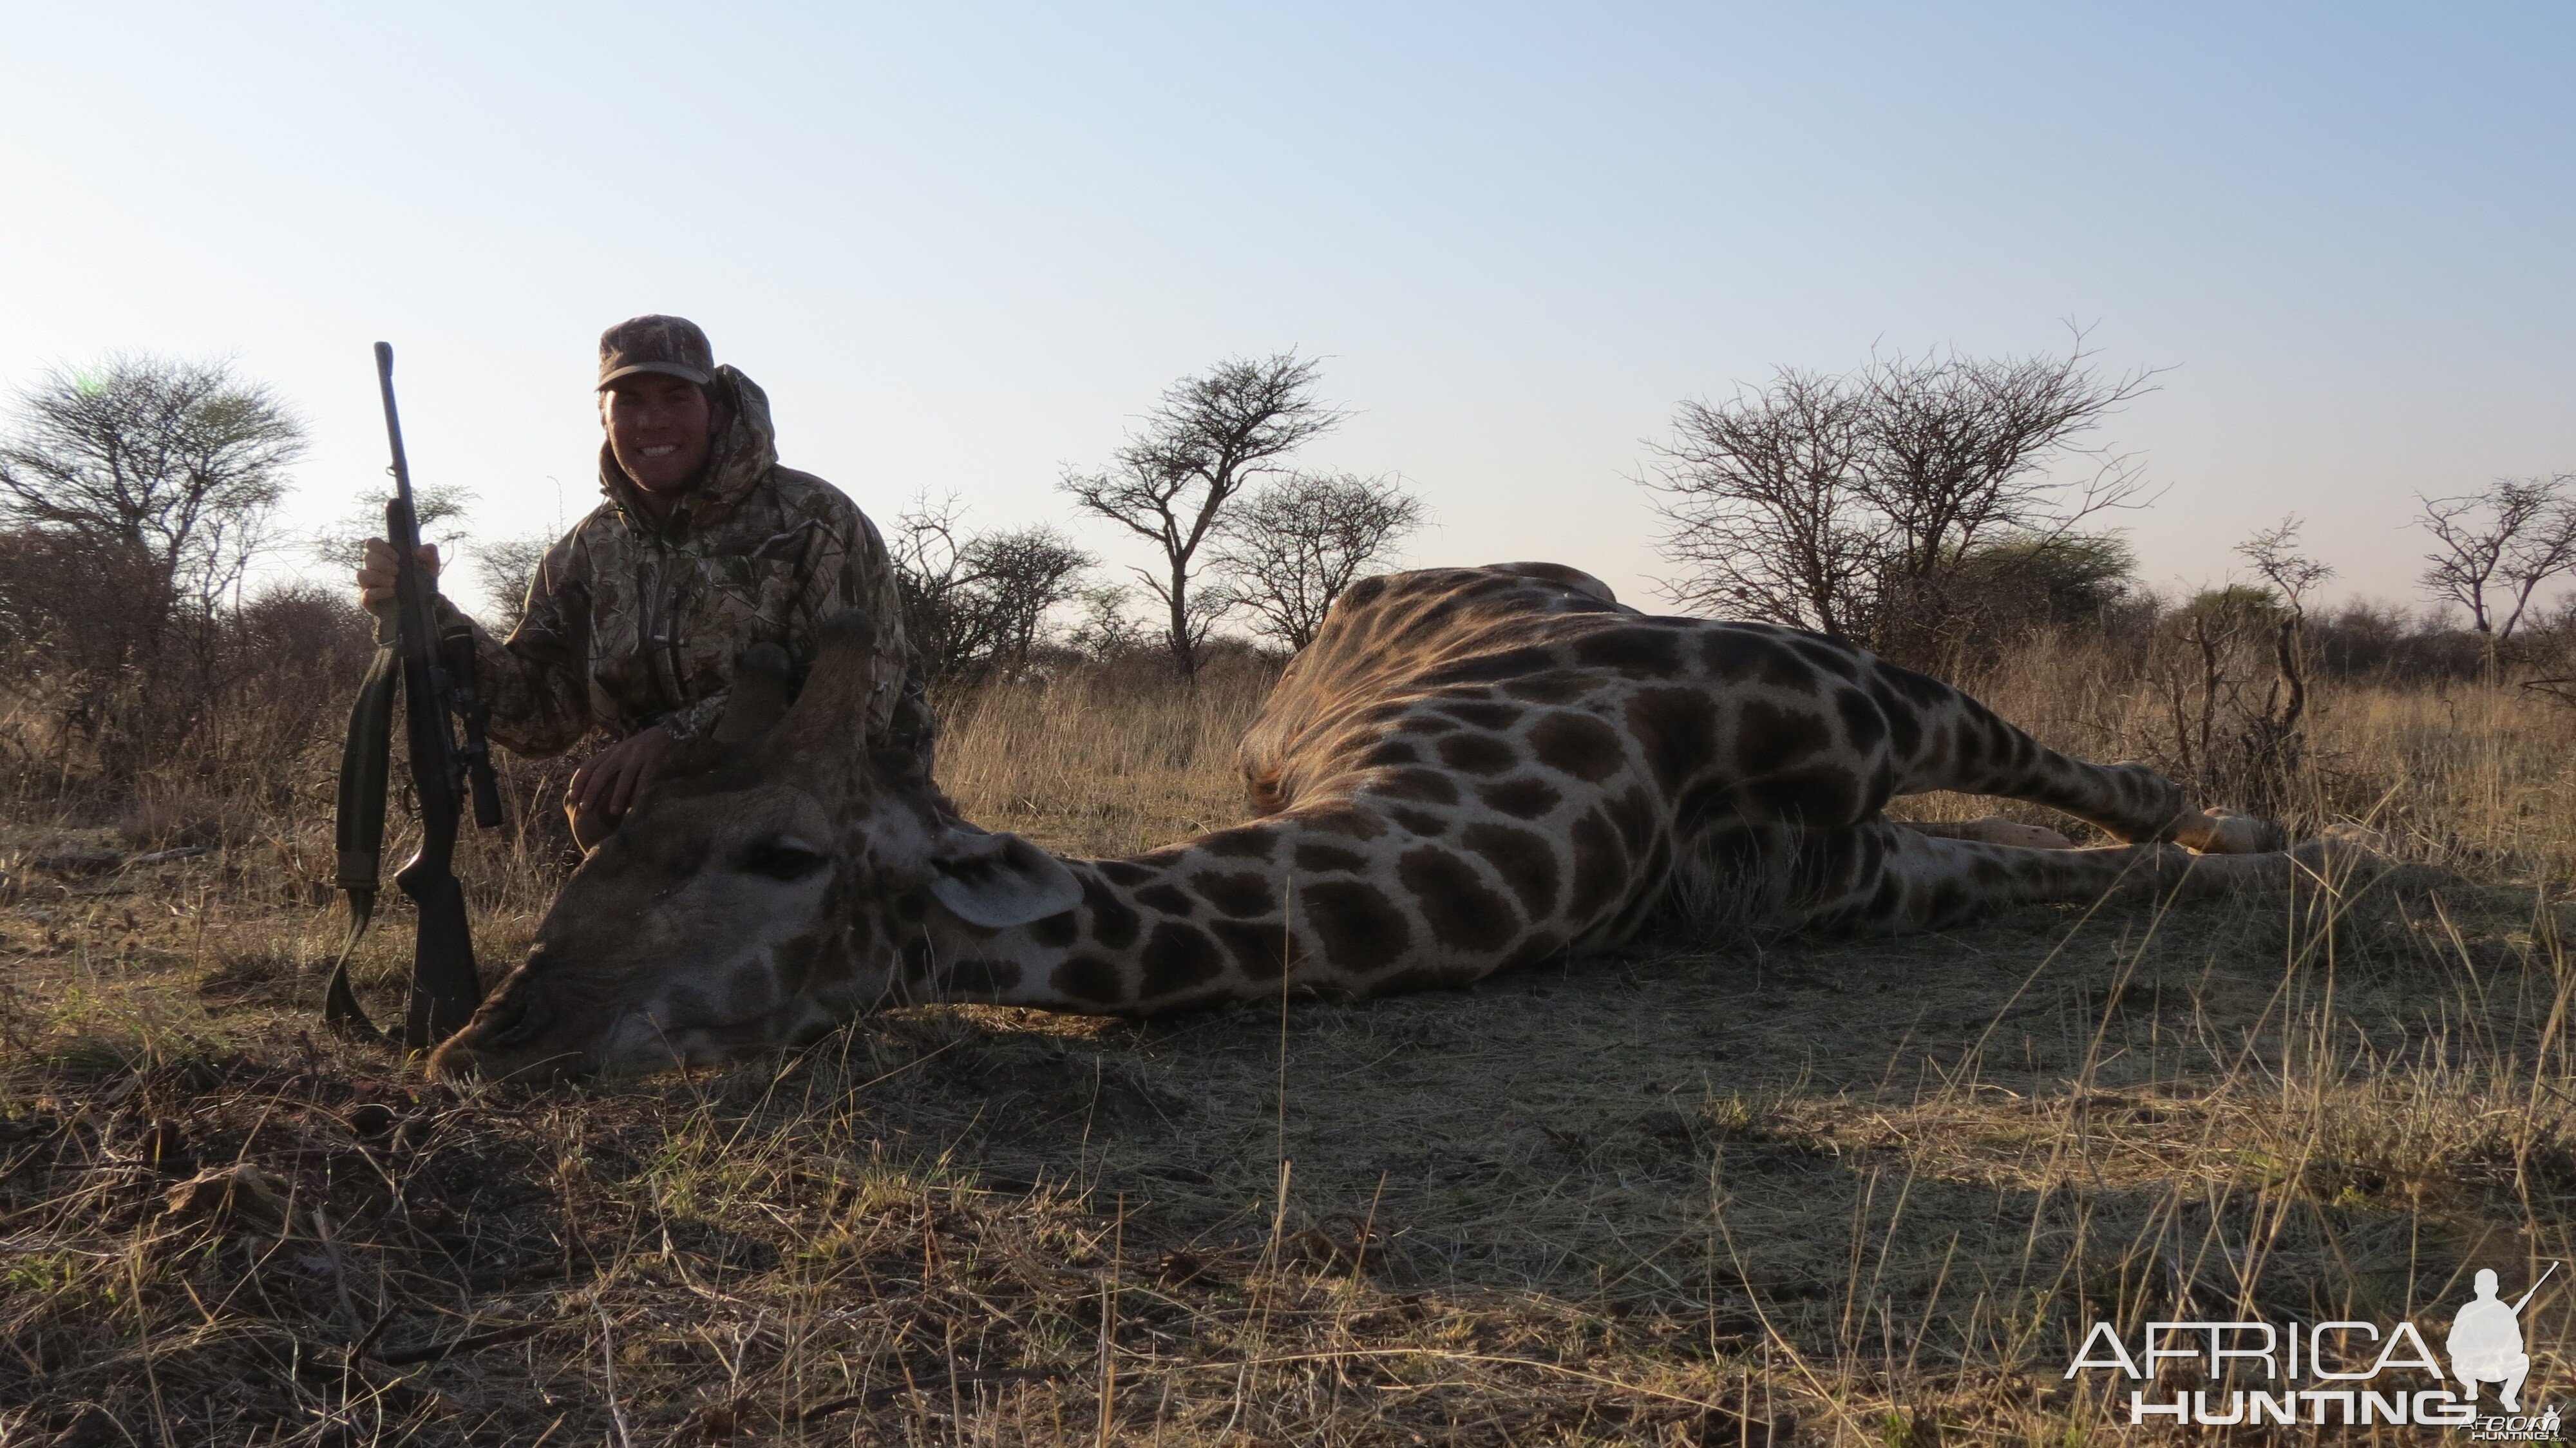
1469	769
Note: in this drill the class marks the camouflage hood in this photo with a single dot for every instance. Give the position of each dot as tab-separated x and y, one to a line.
745	449
631	623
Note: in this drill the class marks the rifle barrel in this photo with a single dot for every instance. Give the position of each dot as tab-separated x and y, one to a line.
2535	1287
393	421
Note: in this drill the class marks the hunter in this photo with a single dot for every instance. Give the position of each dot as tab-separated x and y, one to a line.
704	546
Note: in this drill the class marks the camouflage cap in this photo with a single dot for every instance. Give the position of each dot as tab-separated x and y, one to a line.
670	345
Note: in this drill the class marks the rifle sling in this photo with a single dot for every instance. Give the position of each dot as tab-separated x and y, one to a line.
366	763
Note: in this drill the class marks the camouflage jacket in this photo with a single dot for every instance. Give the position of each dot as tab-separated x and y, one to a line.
630	623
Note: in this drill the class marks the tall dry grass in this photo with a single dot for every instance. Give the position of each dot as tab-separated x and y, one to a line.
1815	1192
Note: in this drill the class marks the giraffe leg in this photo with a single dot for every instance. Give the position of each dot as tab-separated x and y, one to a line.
1881	878
1961	745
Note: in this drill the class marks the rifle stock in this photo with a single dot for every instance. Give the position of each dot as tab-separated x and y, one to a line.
437	681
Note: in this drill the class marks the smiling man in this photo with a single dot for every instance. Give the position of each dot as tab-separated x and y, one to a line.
704	546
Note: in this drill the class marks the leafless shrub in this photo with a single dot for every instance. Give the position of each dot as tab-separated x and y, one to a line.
1212	436
1854	504
976	601
508	566
2494	550
1295	543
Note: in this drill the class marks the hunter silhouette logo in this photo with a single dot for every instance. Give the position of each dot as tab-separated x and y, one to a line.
2486	1341
2346	1373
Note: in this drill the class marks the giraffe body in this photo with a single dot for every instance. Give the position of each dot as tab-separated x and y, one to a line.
1468	770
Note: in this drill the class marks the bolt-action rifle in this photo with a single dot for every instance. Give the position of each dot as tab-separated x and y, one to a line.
439	692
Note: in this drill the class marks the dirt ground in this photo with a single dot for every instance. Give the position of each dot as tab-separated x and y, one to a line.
1763	1192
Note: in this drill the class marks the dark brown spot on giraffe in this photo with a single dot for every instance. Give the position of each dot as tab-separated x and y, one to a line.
1863	725
1632	649
1177	957
1904	725
1562	686
1258	950
1248	843
1677	731
1769	738
1600	867
1167	898
1822	795
1418	821
1357	824
1113	924
1824	655
1056	931
1238	895
1422	786
911	908
1426	724
1477	754
1123	873
1524	798
1358	927
1733	654
1454	900
1576	743
1784	670
1523	858
1388	752
1926	692
1540	948
1638	820
1482	713
1320	859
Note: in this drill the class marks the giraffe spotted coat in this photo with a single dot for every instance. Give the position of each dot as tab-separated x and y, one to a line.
1468	770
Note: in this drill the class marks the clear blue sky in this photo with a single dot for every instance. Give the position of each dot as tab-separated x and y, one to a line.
962	246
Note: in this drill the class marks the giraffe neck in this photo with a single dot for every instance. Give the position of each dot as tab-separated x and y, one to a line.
1341	902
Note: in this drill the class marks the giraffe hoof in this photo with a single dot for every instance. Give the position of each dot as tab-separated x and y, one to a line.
2345	853
2359	836
2231	832
1996	830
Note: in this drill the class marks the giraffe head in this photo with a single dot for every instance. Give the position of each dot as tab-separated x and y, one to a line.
763	891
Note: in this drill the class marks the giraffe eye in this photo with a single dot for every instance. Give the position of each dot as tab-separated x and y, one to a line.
781	860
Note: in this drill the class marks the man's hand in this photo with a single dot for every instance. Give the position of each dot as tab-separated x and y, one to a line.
376	576
613	780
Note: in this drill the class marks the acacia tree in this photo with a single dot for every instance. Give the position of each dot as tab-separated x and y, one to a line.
1852	504
508	567
1210	437
163	474
180	462
973	600
1292	545
2495	549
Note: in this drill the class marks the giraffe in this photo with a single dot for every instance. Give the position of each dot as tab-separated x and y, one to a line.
1468	770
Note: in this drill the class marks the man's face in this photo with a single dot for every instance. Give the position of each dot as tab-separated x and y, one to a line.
657	429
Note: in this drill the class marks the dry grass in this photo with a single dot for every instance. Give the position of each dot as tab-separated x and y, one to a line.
1821	1192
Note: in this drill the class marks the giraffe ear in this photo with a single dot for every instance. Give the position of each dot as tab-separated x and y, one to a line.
841	705
760	694
998	881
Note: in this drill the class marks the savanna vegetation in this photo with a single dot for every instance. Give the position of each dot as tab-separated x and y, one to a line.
1714	1190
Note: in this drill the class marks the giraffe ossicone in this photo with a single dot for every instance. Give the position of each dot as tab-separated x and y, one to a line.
1468	770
